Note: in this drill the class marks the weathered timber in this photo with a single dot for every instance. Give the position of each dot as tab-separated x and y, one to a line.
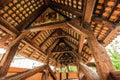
8	27
115	75
26	74
71	44
65	16
47	27
88	72
91	64
31	18
81	43
6	60
102	60
54	77
3	3
89	10
52	46
67	8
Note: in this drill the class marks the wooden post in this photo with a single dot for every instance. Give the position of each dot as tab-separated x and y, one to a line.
67	72
102	60
88	72
61	72
9	55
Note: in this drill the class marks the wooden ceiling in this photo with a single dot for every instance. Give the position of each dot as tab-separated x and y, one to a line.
44	24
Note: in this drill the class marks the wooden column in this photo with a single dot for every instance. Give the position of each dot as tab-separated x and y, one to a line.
61	72
88	72
67	72
9	55
25	74
102	60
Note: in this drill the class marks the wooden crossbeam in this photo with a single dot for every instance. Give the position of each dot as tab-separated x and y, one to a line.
66	8
31	18
52	46
3	2
7	59
102	60
89	10
26	74
71	44
47	27
81	43
65	16
53	33
88	72
52	74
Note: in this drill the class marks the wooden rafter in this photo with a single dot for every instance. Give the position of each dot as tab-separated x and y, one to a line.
26	74
71	44
47	27
31	18
66	8
7	59
3	2
67	18
51	47
81	43
47	38
89	10
88	72
99	53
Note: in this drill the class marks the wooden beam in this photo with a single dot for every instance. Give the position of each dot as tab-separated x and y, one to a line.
9	55
65	16
4	2
29	20
81	43
51	47
52	74
91	64
102	60
8	27
77	27
88	72
89	10
70	44
53	33
26	74
66	8
47	27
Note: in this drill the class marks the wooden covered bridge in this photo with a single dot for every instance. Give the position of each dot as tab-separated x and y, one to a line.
59	33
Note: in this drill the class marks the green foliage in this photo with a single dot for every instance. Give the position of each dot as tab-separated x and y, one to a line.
114	52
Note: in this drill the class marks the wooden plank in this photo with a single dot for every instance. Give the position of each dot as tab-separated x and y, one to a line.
52	74
81	43
47	27
6	60
102	60
66	8
65	16
8	27
51	47
70	44
4	2
89	10
88	72
27	74
31	18
91	64
115	75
